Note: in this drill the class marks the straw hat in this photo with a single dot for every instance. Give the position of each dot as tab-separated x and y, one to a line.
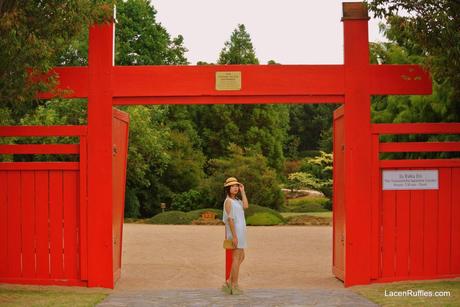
231	181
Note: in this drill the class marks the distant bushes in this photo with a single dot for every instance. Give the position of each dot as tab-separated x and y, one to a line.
307	204
255	215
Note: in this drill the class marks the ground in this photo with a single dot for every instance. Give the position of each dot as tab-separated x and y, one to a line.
191	256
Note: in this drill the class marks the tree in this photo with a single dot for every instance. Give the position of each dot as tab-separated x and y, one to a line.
141	40
239	49
34	35
262	127
319	172
428	29
251	168
309	128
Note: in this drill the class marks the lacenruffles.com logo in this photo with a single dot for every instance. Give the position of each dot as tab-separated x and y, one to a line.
417	293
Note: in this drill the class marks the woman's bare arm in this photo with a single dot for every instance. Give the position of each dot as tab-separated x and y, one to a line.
231	223
244	198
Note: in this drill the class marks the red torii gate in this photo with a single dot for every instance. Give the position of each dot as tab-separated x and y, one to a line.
351	84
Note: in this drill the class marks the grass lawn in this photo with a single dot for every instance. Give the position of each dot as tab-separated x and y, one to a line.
41	296
376	293
321	214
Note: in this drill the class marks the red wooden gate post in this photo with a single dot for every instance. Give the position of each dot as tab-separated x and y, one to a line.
100	60
358	144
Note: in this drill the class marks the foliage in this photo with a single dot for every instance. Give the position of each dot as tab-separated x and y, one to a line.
171	217
187	201
34	35
181	218
263	219
302	180
147	157
310	128
428	29
308	204
141	40
320	167
251	168
239	49
185	167
255	209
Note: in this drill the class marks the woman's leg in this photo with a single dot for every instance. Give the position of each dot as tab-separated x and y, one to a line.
236	261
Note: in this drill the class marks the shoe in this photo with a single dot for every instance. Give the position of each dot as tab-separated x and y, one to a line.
226	288
237	291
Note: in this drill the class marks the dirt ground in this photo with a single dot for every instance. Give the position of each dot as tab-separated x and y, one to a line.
191	256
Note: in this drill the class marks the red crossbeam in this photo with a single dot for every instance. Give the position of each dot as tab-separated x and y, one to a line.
260	83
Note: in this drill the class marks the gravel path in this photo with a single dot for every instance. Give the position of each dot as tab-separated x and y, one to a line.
191	257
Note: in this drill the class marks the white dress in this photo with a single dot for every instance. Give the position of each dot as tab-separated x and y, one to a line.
237	212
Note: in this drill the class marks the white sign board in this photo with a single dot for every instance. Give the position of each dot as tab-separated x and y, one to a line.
410	180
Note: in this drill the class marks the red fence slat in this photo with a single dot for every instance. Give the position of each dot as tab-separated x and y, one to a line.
455	220
430	225
417	209
28	224
39	166
42	227
402	233
14	224
40	149
56	229
43	130
3	223
388	257
417	128
444	223
420	147
70	199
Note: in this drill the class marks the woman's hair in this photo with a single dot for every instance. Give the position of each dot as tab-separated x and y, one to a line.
227	190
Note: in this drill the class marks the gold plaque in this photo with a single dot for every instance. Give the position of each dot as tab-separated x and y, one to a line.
228	80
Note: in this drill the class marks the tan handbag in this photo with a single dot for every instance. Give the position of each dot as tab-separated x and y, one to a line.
228	244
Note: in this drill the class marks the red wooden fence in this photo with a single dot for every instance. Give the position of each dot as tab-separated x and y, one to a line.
42	211
416	232
43	207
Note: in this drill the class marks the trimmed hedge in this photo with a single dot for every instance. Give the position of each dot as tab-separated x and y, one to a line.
263	219
171	217
253	209
310	204
255	215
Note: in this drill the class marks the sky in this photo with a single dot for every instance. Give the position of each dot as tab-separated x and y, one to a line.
287	31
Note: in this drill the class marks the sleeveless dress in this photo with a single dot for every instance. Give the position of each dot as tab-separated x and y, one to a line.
237	213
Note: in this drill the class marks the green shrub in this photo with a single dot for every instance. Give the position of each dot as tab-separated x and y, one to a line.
264	219
253	209
328	205
311	204
186	201
171	217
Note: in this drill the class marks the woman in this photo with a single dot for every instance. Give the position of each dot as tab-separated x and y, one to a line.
235	228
